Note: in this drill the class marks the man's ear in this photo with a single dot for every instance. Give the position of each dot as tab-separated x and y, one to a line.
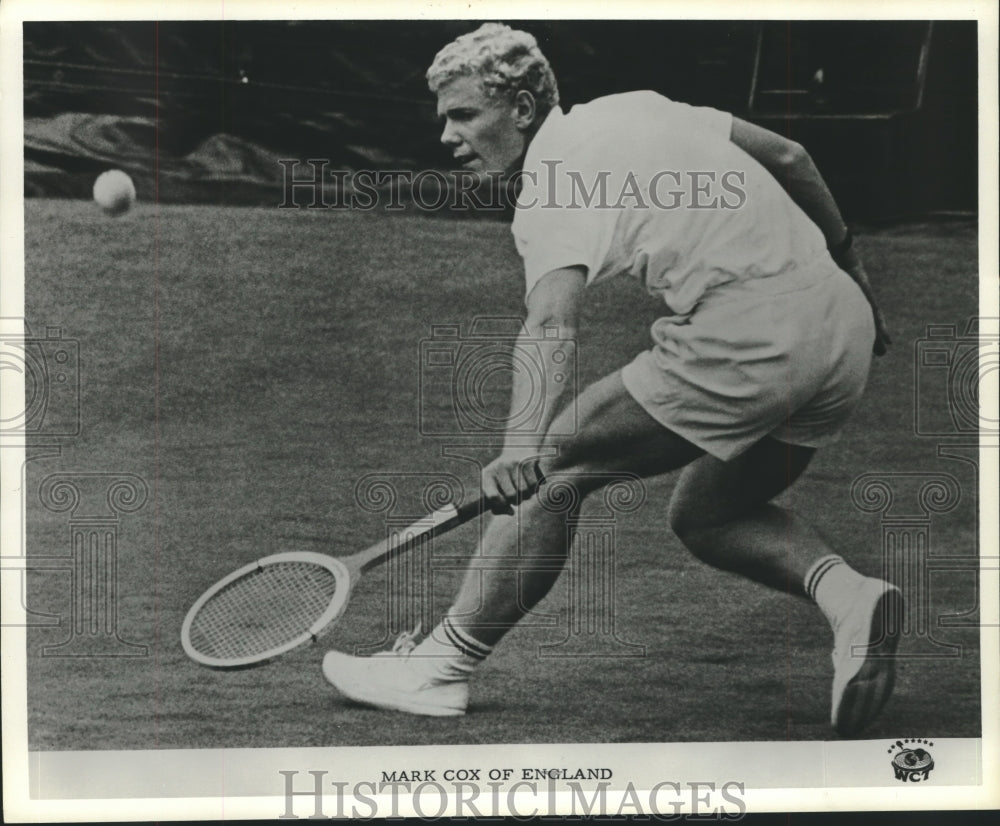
524	110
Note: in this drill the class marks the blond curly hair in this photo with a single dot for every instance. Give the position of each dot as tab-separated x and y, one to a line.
504	59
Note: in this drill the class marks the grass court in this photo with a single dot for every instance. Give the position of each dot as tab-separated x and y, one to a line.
251	365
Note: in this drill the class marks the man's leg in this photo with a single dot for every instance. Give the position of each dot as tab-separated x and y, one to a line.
514	567
722	513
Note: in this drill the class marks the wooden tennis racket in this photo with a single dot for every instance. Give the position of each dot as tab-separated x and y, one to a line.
286	600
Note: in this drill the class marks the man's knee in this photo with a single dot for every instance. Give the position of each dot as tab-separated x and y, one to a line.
678	519
684	521
694	520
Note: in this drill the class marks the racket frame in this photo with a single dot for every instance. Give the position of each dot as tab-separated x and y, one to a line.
347	570
344	583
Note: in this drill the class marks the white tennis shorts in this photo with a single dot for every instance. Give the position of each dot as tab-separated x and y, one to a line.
785	356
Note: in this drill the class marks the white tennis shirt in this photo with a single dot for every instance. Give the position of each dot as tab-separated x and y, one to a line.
637	183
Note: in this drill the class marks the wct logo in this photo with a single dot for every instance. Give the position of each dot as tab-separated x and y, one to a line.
912	764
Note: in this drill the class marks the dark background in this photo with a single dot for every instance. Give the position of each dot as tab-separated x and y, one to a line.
887	108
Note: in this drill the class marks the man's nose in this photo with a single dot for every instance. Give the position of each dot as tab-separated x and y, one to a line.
448	136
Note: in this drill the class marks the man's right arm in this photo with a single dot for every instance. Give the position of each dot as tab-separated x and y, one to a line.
553	306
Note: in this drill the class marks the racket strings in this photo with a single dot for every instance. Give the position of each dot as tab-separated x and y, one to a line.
263	610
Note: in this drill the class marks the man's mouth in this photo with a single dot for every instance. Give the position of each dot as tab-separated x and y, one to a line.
466	158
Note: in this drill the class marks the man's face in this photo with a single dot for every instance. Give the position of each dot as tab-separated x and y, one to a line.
482	134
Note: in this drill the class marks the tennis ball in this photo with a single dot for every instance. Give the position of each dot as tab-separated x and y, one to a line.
114	192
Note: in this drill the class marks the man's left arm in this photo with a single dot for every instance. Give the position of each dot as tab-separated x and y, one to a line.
793	167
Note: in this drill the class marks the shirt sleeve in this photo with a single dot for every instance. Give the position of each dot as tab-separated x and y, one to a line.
684	116
553	225
714	120
560	221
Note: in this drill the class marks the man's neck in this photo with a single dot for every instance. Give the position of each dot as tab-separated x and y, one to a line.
518	164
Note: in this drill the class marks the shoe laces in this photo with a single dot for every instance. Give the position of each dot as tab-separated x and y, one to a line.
407	641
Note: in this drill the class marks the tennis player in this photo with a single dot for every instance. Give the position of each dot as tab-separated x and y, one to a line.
761	354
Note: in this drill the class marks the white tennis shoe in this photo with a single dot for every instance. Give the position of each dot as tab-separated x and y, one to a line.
864	666
395	680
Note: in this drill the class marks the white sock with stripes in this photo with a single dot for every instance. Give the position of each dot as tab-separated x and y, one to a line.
831	583
451	653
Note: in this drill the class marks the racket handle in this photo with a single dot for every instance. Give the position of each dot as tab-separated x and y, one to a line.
440	522
481	505
475	507
469	510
